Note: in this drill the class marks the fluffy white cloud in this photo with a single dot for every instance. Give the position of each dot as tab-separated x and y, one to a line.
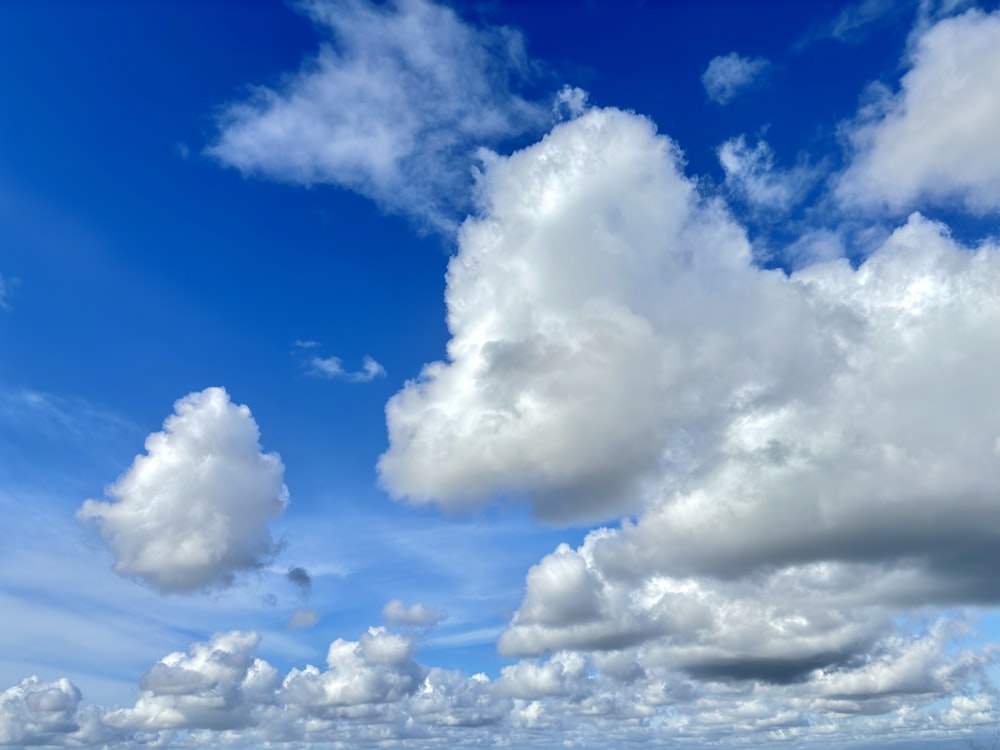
934	140
216	685
37	713
417	615
377	668
393	107
194	509
563	674
727	75
578	382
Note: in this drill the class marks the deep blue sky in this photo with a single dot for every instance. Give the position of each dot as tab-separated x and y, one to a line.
603	369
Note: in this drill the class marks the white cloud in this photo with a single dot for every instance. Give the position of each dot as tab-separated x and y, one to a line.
803	466
816	519
373	693
332	368
216	685
4	291
377	668
37	713
576	383
393	107
563	674
194	509
752	176
416	615
933	141
728	75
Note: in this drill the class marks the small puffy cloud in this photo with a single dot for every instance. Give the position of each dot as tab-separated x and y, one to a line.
727	75
216	685
753	177
392	107
38	713
377	668
933	140
332	368
302	618
4	291
416	615
193	511
571	102
563	674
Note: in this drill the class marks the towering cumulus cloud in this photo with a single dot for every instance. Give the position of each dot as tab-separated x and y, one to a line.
606	323
193	511
804	459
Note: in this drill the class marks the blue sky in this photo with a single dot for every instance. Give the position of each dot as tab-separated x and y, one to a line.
522	374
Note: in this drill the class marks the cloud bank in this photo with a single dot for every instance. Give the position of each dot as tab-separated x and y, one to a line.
193	511
372	692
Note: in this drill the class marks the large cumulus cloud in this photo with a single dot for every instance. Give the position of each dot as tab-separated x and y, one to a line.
392	107
193	511
594	310
808	453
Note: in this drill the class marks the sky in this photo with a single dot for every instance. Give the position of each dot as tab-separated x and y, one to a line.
572	374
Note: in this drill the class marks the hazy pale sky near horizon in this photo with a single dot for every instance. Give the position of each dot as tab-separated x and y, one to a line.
516	374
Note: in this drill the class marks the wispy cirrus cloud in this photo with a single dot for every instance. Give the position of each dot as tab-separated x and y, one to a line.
419	615
393	106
